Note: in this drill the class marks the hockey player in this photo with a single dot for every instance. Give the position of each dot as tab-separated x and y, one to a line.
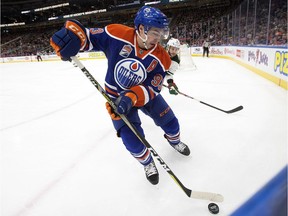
137	66
173	48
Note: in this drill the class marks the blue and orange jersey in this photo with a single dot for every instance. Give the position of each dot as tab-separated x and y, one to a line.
129	66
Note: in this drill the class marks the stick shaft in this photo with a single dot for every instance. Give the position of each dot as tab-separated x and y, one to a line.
226	111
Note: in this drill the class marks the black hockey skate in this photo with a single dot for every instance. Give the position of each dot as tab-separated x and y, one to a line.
181	147
151	173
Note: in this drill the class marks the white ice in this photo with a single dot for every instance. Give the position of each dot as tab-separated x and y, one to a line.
60	155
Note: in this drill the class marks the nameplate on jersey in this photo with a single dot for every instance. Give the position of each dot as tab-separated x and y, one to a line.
125	51
96	30
129	72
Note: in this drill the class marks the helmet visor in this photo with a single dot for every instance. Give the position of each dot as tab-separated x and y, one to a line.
161	33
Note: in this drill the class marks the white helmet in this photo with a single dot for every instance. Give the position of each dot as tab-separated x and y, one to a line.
174	43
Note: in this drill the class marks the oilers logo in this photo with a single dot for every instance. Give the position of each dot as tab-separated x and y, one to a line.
129	72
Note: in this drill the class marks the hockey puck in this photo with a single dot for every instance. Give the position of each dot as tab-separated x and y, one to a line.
213	208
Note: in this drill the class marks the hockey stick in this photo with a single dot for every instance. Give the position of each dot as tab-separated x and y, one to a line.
193	194
226	111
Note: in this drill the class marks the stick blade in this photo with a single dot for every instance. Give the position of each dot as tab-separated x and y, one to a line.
207	196
235	109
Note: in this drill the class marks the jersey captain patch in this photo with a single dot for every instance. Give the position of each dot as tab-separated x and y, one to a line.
129	72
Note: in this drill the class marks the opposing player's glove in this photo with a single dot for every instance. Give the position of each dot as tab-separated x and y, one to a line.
112	113
69	40
125	102
173	89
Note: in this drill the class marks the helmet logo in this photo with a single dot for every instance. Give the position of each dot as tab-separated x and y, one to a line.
146	11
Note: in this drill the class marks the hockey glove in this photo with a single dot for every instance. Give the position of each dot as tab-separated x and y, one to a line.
69	40
112	113
125	102
173	89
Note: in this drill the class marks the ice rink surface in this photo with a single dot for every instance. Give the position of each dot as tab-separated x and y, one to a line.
60	155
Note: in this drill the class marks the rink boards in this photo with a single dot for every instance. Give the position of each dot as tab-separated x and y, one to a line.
268	62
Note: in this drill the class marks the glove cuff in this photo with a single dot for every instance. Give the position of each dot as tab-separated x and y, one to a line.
132	96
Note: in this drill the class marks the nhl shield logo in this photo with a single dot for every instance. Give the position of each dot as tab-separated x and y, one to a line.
129	72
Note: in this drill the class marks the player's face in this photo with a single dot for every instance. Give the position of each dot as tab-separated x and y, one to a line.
153	36
173	51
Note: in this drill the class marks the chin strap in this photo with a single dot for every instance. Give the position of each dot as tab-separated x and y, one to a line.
143	40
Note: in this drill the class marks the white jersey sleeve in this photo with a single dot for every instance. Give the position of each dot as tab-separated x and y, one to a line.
173	68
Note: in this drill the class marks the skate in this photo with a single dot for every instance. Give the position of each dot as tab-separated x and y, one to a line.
181	147
151	173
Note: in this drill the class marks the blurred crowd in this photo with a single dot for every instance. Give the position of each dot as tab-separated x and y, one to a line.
251	23
26	44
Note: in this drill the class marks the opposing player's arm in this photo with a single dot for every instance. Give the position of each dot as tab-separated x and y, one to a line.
173	89
173	68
